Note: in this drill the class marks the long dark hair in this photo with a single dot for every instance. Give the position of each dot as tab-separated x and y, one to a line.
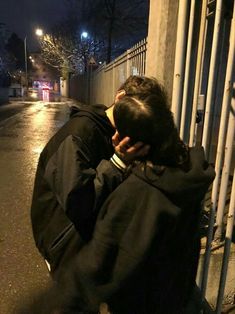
147	118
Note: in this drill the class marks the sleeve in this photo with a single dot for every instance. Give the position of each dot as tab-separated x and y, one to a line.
80	189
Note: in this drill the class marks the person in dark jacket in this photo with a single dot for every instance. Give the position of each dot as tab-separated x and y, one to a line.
143	254
74	176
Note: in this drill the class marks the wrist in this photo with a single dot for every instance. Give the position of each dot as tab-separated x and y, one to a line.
118	162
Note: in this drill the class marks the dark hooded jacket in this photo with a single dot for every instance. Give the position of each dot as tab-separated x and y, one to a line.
144	252
71	182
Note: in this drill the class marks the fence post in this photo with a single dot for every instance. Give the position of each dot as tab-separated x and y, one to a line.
128	63
226	167
198	71
212	78
179	61
224	113
227	246
187	70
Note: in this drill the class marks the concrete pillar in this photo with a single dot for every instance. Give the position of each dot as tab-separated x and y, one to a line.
162	30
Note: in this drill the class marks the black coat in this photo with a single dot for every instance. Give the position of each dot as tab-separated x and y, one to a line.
144	253
71	183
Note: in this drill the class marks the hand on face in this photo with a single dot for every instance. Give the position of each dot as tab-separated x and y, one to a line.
127	152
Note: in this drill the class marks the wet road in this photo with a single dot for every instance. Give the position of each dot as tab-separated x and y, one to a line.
24	130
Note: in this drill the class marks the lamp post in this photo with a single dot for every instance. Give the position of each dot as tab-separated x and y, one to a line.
26	63
39	32
84	36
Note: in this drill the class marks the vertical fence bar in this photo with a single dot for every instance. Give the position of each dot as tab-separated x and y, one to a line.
214	123
134	57
204	273
212	78
145	52
224	113
179	61
144	55
187	69
226	167
201	43
128	65
138	58
141	58
133	60
227	246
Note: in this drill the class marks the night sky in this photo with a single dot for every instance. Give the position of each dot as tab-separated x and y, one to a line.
23	16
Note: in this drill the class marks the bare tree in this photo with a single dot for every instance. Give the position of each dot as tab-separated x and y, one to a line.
69	54
113	26
56	51
116	24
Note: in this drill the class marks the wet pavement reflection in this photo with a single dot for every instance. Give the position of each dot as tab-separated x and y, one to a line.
23	135
43	95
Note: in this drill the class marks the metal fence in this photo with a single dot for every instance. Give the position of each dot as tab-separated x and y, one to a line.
202	88
203	107
107	79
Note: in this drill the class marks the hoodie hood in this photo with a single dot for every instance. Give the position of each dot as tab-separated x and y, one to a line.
96	113
177	183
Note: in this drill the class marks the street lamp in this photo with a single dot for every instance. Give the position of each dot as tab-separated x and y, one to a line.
84	35
39	32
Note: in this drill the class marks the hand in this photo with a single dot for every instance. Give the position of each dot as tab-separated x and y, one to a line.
126	152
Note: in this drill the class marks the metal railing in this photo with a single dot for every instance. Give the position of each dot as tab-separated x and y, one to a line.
107	78
217	131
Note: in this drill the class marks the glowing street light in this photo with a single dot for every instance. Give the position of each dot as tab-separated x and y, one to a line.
39	32
84	35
